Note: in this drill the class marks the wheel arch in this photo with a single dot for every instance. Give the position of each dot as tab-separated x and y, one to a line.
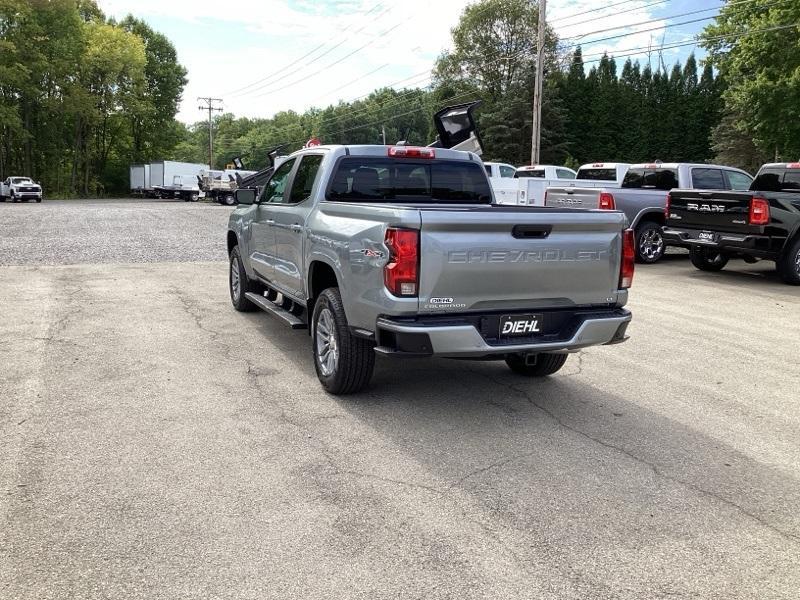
656	216
233	240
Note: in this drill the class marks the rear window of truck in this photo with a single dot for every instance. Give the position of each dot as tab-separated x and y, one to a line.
597	174
539	173
365	179
654	179
775	180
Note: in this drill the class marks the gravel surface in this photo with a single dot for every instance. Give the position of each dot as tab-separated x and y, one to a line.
64	232
154	443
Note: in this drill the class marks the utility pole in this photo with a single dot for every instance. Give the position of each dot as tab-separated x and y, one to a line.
209	106
536	130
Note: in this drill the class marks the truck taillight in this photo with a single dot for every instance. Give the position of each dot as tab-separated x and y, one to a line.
667	206
759	211
401	273
628	259
411	152
606	201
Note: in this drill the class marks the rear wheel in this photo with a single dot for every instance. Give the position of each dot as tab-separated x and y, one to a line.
707	260
239	284
650	246
789	264
229	200
546	364
344	362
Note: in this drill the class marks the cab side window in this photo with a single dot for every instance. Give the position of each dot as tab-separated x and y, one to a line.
738	181
305	177
707	179
564	174
507	171
276	186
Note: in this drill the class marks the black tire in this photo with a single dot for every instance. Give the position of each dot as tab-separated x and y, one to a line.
650	246
194	197
237	272
38	200
706	260
14	198
789	263
229	200
353	358
546	364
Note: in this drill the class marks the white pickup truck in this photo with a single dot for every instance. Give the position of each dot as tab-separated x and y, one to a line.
20	189
529	183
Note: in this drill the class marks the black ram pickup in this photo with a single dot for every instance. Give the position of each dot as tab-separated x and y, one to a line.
762	223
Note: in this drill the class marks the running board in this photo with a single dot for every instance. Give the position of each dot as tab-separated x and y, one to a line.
291	320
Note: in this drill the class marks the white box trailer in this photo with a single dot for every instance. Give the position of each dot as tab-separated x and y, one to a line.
140	179
173	179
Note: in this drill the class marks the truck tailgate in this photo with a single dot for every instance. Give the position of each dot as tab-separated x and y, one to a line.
712	210
506	258
572	197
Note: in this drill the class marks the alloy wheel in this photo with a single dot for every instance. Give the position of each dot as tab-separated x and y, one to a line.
236	282
326	344
651	244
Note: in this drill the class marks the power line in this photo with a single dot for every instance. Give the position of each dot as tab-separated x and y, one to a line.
271	76
670	46
620	12
336	62
586	12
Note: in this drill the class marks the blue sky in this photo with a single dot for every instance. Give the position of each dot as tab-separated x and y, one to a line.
227	46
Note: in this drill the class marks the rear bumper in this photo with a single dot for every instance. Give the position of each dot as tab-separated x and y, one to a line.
734	243
461	337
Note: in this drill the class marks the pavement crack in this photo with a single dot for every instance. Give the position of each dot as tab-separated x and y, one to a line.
786	535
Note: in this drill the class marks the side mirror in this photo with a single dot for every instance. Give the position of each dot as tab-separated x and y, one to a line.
245	195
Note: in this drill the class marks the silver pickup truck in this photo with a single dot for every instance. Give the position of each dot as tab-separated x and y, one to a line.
643	197
399	251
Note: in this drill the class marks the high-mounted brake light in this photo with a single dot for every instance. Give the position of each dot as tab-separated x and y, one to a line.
667	206
759	211
401	273
597	165
628	260
411	152
606	201
793	165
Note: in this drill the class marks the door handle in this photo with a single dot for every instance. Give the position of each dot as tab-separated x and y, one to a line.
270	221
296	227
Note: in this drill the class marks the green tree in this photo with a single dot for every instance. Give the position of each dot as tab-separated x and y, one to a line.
761	71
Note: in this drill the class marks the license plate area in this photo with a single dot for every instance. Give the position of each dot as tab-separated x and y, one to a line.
707	236
521	326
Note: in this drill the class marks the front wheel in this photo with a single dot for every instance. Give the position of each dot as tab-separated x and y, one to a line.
789	264
344	362
38	200
546	364
650	246
239	284
229	200
707	260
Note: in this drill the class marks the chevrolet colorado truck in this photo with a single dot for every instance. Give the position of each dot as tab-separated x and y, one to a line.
20	189
643	197
399	251
762	223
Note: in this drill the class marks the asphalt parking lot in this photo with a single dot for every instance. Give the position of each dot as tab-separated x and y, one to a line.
158	444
